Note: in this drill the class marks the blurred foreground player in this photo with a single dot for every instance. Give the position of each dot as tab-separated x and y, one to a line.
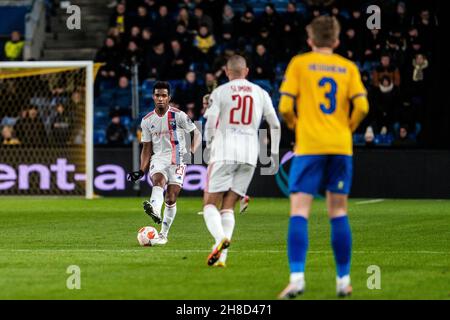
322	85
164	152
234	116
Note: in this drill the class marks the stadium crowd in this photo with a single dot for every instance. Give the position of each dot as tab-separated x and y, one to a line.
188	42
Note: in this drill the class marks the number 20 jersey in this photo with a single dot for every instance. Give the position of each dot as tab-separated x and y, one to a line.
322	86
239	106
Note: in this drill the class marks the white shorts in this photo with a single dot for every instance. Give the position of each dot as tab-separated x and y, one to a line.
174	174
224	176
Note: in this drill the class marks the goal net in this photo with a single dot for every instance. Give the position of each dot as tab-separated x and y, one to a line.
46	123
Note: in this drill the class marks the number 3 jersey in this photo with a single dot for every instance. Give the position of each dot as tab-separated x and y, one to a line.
167	134
238	106
322	86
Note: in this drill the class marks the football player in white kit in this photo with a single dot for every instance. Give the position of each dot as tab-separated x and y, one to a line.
164	153
231	132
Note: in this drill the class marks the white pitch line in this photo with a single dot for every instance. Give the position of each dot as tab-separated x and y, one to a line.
203	251
370	201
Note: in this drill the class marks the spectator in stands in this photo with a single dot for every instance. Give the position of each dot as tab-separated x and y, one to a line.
131	56
386	69
121	98
116	133
14	47
369	137
76	103
179	62
229	26
184	18
188	94
184	37
143	19
401	20
30	130
356	21
210	83
61	126
163	23
119	19
418	86
351	45
202	19
262	64
270	19
248	27
205	106
146	41
157	62
8	137
403	140
269	41
204	42
386	103
426	25
291	37
115	34
396	45
110	56
135	35
375	43
219	64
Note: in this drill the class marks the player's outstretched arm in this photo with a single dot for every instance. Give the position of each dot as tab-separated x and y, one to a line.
360	110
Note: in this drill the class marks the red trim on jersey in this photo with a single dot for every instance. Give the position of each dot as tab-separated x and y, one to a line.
174	109
172	139
149	114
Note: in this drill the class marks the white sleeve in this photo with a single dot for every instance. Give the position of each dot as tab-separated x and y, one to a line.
275	128
275	132
267	104
214	103
186	123
213	115
146	135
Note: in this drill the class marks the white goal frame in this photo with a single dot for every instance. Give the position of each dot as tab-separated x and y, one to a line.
89	121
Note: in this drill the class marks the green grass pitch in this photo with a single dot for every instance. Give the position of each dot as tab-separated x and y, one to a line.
408	239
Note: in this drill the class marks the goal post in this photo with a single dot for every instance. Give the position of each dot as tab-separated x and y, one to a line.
46	122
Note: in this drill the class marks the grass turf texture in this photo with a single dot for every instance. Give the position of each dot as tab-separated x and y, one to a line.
408	239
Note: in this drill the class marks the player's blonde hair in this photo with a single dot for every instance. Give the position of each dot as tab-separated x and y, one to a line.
324	31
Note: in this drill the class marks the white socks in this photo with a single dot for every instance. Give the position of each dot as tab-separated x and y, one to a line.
157	198
213	222
297	277
227	217
169	215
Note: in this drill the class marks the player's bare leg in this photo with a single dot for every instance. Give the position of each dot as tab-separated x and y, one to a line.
214	224
227	217
153	207
341	241
297	244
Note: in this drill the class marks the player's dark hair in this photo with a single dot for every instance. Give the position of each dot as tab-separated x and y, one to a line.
162	85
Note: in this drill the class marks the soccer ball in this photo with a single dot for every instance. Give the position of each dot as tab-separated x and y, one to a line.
145	234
